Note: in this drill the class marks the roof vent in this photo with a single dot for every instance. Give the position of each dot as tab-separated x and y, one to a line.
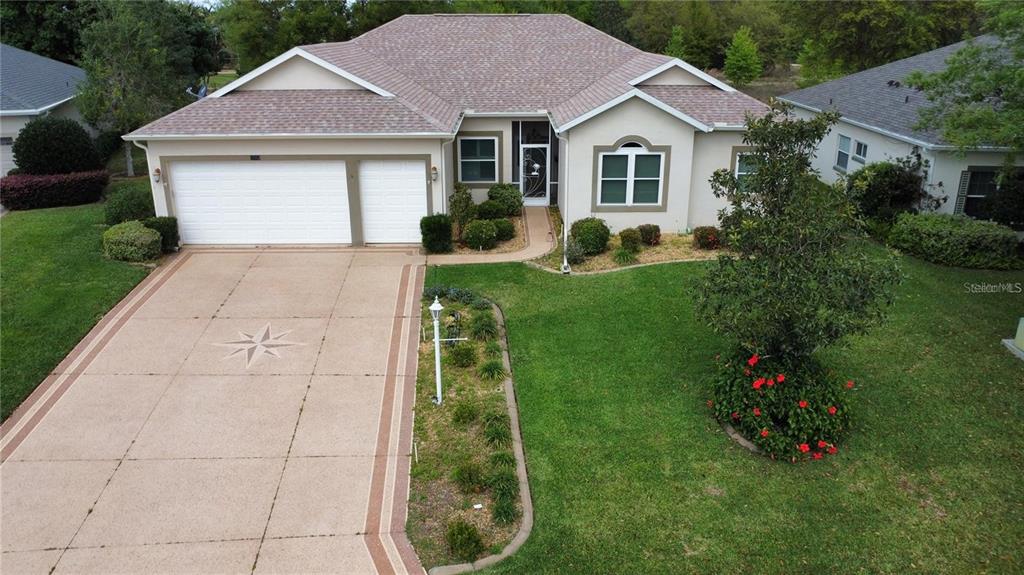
830	101
893	83
906	99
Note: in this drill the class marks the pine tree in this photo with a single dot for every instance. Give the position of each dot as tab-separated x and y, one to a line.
742	63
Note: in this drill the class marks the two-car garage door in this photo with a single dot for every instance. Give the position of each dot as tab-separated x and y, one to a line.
296	201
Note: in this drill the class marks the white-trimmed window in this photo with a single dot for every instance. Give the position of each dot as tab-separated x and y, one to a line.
478	159
850	149
744	165
860	152
630	176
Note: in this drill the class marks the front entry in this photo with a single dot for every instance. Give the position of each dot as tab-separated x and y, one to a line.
534	181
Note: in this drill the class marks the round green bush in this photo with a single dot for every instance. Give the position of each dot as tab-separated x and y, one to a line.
469	477
464	541
490	210
492	370
592	235
630	239
463	355
436	233
574	252
508	196
131	242
505	229
480	234
54	145
128	201
791	411
168	230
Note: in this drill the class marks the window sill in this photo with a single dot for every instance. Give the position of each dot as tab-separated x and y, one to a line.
839	170
613	208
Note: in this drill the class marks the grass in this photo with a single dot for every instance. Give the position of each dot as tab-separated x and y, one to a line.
54	286
115	164
630	473
221	79
444	444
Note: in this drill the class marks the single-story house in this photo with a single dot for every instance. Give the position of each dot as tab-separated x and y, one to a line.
354	142
32	85
879	118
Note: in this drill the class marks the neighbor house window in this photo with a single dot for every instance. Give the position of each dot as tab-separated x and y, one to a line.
6	141
850	149
478	159
860	152
981	184
630	176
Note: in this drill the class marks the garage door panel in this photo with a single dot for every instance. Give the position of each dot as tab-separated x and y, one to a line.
261	202
393	194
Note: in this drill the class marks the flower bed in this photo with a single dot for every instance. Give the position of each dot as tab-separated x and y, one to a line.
673	247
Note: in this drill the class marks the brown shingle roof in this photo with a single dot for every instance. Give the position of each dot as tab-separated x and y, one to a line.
439	66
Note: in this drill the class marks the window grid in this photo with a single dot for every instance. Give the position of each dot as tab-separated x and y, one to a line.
493	160
631	153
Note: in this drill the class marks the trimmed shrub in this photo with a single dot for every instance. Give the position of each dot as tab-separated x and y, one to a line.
505	229
167	227
461	207
465	413
956	241
131	242
490	210
129	201
592	235
480	234
503	460
492	370
508	197
29	192
463	355
707	238
54	145
504	510
630	238
795	411
883	190
574	252
497	429
464	541
469	477
624	257
650	234
436	231
483	326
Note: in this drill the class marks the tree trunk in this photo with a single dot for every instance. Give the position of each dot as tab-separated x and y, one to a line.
129	167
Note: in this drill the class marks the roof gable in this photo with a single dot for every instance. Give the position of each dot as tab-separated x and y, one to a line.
677	72
299	53
299	74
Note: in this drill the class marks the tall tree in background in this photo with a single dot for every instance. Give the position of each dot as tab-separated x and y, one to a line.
610	17
978	100
742	63
49	29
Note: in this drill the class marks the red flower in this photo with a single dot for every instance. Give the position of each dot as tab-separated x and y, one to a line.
817	455
764	433
804	448
710	403
822	443
802	404
832	450
757	412
758	383
771	382
753	360
735	415
849	384
780	378
746	372
831	410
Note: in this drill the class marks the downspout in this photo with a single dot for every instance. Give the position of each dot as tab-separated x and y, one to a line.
563	190
444	176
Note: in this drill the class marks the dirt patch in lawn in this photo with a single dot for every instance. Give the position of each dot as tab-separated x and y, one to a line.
513	245
673	248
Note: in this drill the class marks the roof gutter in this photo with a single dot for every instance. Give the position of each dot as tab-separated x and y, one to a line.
35	112
287	136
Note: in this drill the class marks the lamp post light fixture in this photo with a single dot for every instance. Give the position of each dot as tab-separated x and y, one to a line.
435	312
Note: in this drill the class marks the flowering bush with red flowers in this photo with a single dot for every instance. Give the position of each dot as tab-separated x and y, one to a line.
794	411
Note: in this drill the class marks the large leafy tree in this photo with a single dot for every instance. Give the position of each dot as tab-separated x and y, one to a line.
50	29
978	100
742	62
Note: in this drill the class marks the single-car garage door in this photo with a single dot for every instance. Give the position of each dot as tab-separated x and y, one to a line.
261	202
393	194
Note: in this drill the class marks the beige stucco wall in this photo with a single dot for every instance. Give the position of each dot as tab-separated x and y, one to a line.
299	74
711	152
631	118
675	76
9	128
160	154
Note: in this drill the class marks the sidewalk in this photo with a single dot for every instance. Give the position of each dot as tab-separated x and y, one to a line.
540	239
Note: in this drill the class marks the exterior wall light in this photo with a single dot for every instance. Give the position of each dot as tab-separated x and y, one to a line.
433	173
156	175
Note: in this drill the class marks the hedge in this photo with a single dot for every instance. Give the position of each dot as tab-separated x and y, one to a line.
167	227
958	241
131	242
436	233
28	192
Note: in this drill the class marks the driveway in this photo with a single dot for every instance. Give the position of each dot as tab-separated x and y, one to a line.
241	411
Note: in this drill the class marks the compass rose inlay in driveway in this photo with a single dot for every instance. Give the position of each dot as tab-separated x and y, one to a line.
255	345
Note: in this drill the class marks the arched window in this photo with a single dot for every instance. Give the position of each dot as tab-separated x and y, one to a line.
630	176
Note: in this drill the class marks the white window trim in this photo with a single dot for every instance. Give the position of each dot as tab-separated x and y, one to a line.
736	173
631	153
853	152
839	150
458	151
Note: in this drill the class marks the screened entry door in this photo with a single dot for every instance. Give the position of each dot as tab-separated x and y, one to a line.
534	174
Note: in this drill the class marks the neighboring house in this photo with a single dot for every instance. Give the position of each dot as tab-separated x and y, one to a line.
32	85
354	142
879	112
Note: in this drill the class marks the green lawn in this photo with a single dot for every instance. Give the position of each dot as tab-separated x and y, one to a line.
54	286
630	474
221	79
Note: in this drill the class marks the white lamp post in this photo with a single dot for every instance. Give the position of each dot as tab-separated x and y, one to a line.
435	312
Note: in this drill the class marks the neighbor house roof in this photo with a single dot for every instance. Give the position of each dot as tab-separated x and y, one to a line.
879	98
31	84
438	68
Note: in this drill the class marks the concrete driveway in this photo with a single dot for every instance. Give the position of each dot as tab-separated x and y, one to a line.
242	411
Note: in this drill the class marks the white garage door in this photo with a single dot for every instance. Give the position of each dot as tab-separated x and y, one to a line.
393	194
261	202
